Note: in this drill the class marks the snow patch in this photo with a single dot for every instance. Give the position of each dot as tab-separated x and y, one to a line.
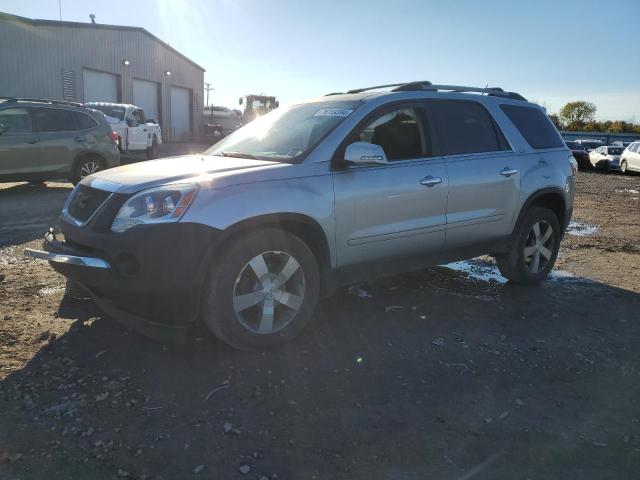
580	229
488	272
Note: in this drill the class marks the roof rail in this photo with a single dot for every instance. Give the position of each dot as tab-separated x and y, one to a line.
41	100
492	91
398	85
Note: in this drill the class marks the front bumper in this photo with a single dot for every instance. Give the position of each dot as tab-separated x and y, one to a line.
148	277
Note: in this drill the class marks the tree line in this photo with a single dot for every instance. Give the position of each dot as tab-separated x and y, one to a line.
580	115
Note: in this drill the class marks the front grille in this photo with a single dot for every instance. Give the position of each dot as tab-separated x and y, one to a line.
85	202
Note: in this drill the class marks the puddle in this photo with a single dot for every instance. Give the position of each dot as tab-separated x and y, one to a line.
488	271
581	229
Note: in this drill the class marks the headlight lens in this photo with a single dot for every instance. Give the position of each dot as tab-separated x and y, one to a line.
157	205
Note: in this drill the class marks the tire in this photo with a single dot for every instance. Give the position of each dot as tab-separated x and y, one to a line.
623	167
248	303
152	151
86	166
519	267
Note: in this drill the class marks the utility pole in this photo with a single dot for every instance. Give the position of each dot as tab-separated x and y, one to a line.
207	88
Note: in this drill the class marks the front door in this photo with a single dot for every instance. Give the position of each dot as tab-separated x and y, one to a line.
18	145
484	172
395	210
137	136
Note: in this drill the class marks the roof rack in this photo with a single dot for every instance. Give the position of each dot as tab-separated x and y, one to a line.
429	87
40	100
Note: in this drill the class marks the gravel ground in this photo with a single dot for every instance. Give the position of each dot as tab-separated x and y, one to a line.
443	373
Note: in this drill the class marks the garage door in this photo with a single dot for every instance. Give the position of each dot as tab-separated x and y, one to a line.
180	117
100	86
145	96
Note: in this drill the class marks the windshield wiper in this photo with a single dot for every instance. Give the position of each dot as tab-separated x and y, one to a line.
238	155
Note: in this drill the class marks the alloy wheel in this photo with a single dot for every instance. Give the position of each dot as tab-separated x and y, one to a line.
539	246
88	168
269	292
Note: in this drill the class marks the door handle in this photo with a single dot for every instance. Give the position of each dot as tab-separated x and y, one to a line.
430	181
507	172
144	129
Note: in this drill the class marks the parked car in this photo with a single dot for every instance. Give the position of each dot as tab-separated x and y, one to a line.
48	140
606	158
630	158
247	236
589	144
619	143
137	134
580	154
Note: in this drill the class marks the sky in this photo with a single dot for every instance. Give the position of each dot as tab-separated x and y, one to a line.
552	52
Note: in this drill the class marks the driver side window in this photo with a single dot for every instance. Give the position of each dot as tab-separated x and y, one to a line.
400	133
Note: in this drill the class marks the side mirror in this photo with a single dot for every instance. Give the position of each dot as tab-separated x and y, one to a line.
277	104
240	101
363	153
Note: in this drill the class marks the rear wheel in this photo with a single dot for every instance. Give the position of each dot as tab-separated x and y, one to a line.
534	249
152	151
263	290
87	166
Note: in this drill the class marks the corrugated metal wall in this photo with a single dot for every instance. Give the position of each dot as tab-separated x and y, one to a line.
33	58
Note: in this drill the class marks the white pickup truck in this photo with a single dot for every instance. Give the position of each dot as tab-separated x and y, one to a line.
137	134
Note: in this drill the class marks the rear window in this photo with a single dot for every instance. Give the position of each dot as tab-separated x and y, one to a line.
465	127
110	111
54	120
534	126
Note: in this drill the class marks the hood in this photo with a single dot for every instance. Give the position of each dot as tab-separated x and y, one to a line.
139	176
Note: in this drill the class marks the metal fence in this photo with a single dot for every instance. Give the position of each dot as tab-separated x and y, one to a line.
606	137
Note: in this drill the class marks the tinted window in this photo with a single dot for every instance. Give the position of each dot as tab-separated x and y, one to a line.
138	117
110	111
614	150
84	121
15	120
465	127
399	133
53	120
534	125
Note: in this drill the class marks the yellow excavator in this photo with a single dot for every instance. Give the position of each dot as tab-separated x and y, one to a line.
257	105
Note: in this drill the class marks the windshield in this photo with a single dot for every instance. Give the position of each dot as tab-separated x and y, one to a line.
614	150
110	111
286	133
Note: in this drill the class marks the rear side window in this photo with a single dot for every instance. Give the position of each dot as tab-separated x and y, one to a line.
54	120
84	121
15	120
534	126
465	127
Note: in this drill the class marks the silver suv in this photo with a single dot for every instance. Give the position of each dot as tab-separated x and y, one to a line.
247	236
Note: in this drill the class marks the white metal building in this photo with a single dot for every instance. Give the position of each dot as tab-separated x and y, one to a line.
89	62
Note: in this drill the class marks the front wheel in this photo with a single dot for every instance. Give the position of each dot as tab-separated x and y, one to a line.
623	167
534	249
262	291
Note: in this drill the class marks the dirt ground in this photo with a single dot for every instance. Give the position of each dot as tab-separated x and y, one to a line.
443	373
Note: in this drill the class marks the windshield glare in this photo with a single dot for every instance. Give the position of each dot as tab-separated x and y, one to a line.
286	133
114	112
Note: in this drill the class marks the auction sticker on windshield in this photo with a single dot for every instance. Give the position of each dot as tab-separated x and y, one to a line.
333	112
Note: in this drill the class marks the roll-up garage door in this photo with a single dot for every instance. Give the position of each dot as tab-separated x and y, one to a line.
145	96
180	118
100	86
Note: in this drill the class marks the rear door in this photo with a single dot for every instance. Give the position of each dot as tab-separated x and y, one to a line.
396	210
18	144
484	180
60	142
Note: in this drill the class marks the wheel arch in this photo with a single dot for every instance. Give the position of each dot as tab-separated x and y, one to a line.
86	154
551	198
303	226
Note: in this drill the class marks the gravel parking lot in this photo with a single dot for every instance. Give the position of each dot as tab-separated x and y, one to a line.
442	373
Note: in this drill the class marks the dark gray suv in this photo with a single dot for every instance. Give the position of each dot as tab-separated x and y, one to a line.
48	139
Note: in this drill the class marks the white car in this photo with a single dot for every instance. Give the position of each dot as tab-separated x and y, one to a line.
137	134
630	158
606	158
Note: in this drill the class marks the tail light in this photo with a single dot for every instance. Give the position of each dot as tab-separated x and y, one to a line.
115	136
574	165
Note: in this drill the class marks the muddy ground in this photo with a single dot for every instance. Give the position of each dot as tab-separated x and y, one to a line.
437	374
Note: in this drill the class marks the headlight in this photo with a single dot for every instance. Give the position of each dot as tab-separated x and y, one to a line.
164	204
